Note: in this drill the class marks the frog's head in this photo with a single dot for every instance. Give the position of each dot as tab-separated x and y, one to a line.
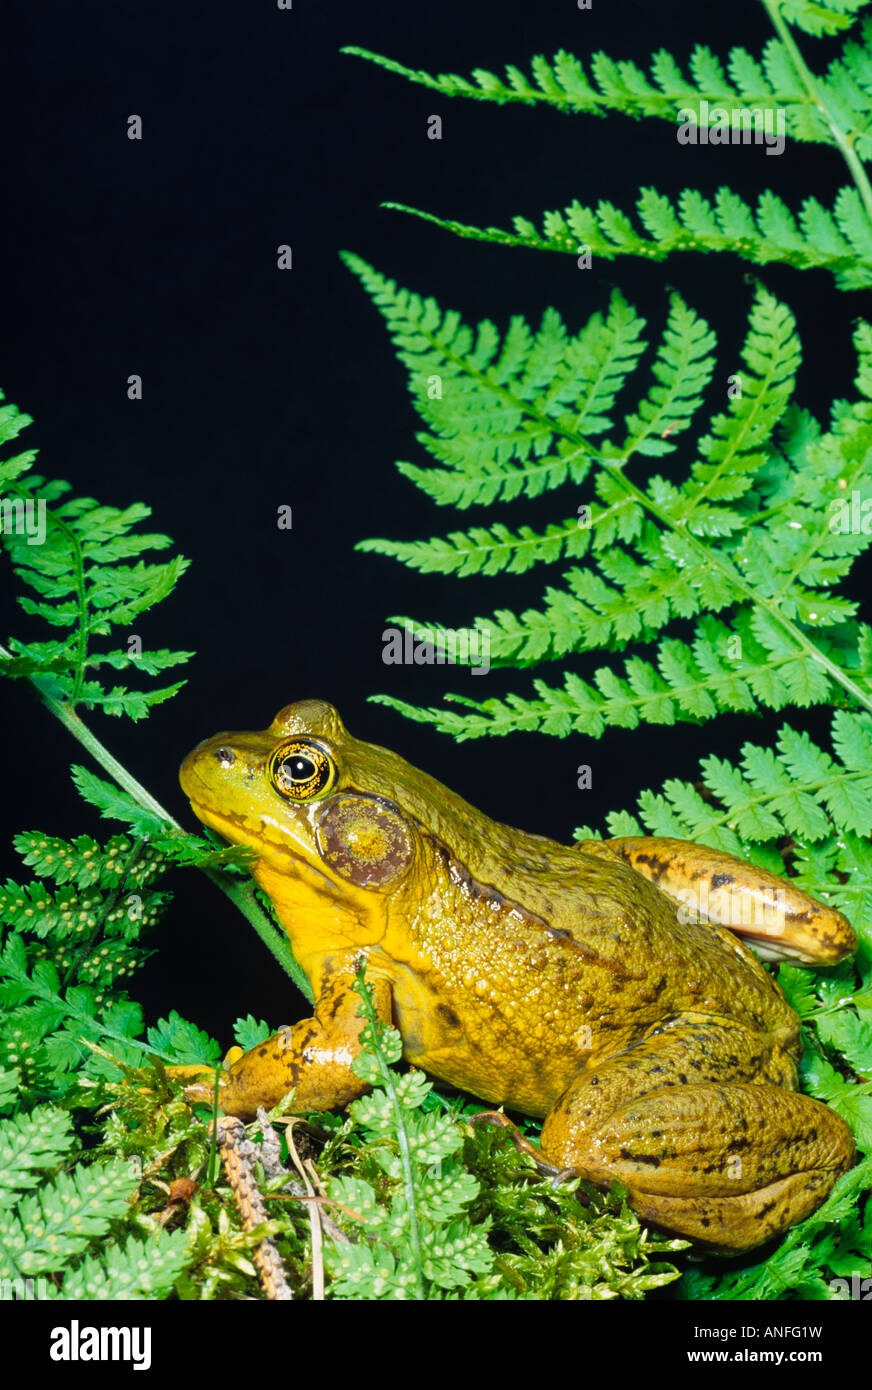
302	791
336	823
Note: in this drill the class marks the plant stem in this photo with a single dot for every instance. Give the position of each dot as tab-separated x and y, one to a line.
240	894
388	1081
844	142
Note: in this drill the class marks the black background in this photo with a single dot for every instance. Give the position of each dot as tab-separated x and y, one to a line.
264	388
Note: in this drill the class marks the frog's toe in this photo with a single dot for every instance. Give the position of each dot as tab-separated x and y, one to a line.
522	1144
493	1117
199	1083
560	1175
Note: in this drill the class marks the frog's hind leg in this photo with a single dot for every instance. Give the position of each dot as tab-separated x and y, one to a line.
704	1149
779	920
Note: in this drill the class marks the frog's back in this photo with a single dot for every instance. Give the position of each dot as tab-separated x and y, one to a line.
636	942
564	959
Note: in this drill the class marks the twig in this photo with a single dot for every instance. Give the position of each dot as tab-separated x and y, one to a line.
314	1220
238	1165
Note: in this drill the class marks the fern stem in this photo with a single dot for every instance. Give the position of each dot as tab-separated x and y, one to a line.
82	626
844	142
388	1081
241	895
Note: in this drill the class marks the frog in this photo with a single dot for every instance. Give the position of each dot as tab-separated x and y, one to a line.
577	984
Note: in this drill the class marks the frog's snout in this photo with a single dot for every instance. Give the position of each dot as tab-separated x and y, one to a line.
193	766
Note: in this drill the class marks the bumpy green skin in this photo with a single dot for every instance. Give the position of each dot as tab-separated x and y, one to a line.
557	980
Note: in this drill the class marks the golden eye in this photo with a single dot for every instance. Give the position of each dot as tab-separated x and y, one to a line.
301	770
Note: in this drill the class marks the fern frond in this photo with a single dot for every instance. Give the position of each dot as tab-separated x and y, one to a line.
737	448
821	16
483	550
683	368
81	561
133	1269
838	240
769	81
796	790
51	1220
31	1143
496	407
61	1220
67	947
713	101
751	533
688	683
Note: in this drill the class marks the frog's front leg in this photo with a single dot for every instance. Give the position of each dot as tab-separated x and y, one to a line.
314	1057
780	921
704	1149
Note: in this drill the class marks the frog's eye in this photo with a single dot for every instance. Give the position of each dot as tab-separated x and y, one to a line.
301	770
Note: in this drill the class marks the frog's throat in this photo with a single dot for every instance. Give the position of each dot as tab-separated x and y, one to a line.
298	888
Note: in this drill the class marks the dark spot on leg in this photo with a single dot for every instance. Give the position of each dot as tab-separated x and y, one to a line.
448	1015
653	1160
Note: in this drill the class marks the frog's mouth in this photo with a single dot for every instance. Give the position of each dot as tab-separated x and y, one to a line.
251	831
229	827
276	851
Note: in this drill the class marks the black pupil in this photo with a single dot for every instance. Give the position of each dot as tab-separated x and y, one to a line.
301	769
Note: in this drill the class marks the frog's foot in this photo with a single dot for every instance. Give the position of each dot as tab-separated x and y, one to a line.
200	1080
521	1142
779	921
704	1151
313	1058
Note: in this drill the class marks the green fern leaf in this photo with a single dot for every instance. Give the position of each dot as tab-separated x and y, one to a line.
768	234
182	1042
88	580
134	1269
57	1223
29	1144
821	16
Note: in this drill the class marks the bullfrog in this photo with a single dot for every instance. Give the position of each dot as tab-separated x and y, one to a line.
578	983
